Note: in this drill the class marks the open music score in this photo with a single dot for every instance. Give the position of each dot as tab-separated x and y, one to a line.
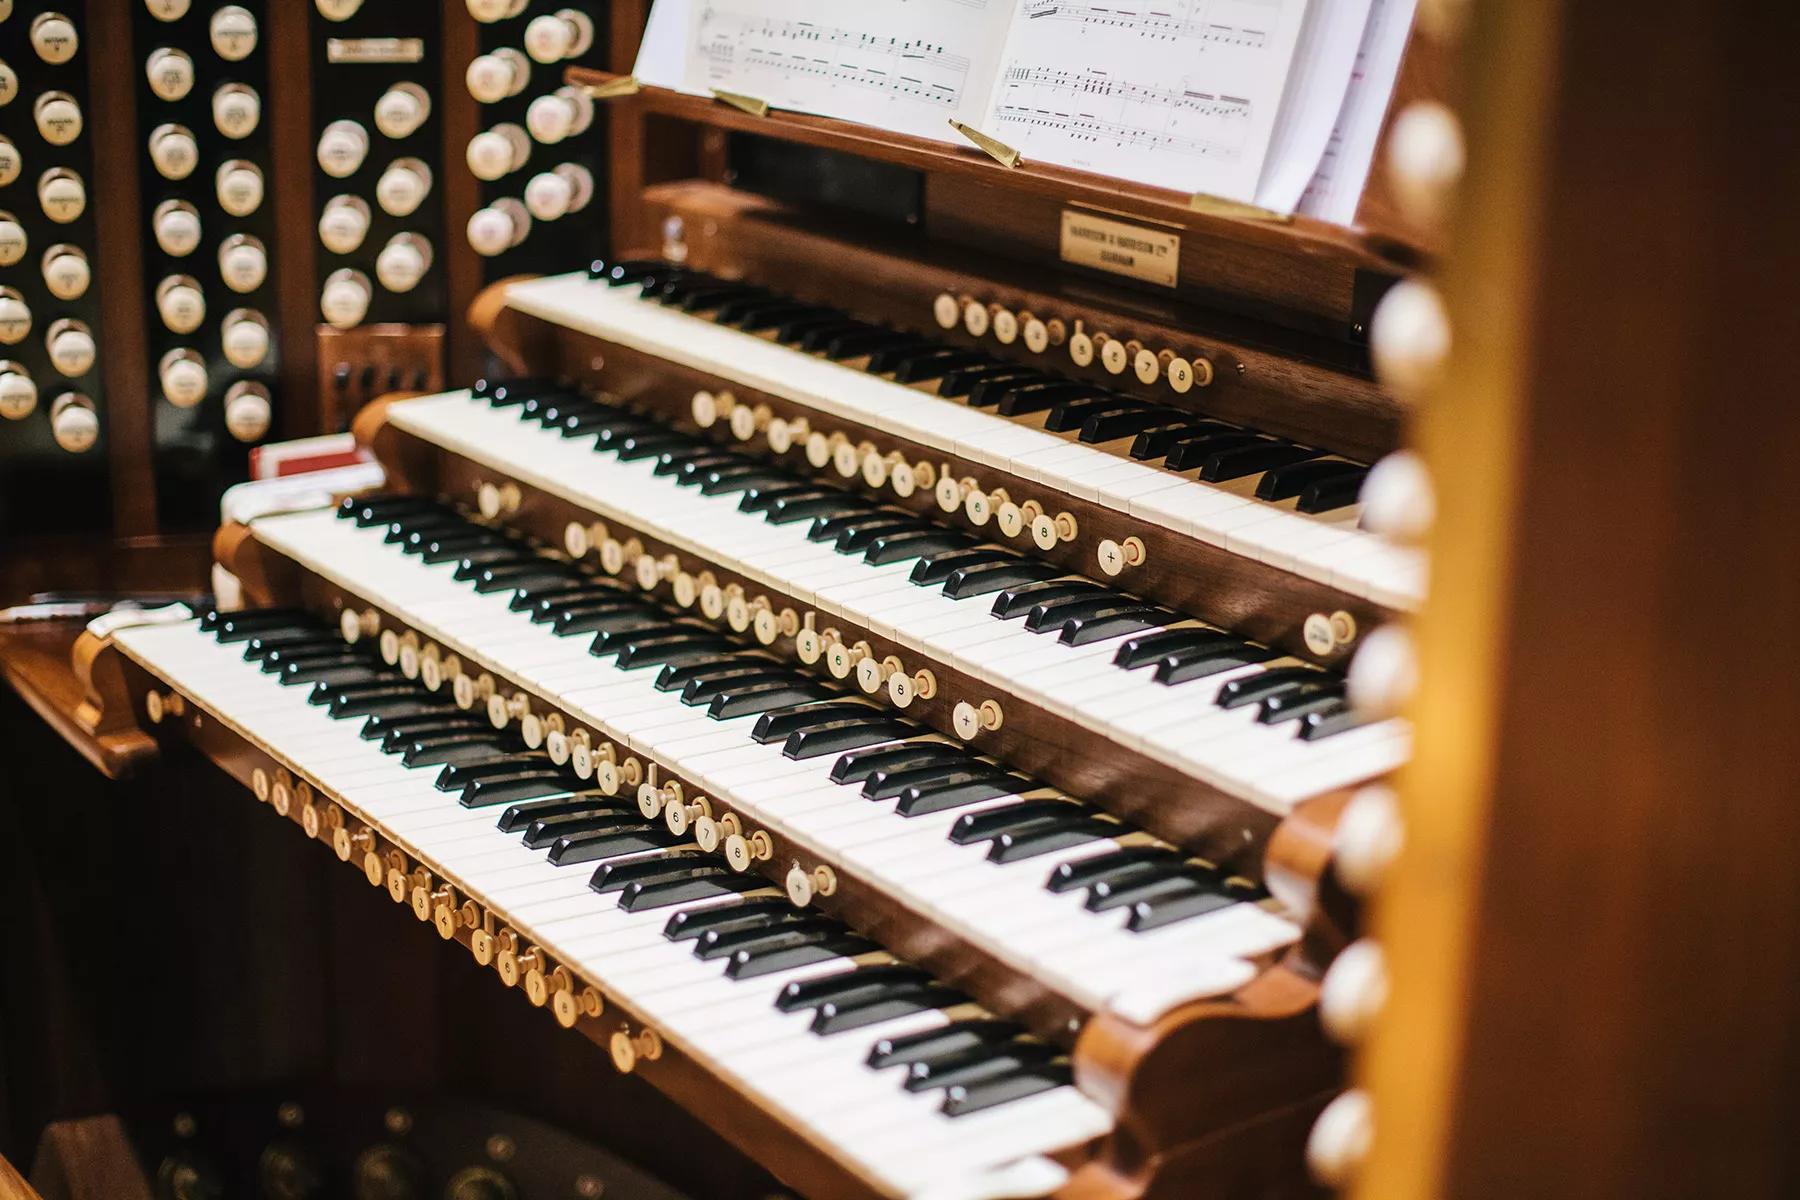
1055	100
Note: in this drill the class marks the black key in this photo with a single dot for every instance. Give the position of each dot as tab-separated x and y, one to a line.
351	702
1251	689
592	847
722	943
990	823
977	1065
1340	718
519	817
760	496
613	876
934	364
688	461
507	579
1281	482
1293	704
1193	452
1142	651
634	446
1156	441
310	654
940	771
892	355
1185	665
937	566
986	392
799	952
935	798
473	564
1128	616
1125	422
1126	860
1019	600
1017	845
1034	398
454	750
1196	900
364	511
957	382
1072	414
625	271
860	765
425	714
964	1099
230	628
776	724
259	644
330	676
836	737
644	896
860	983
757	698
1334	491
1119	891
676	677
733	311
703	691
686	646
1248	460
526	785
1050	613
855	339
754	317
944	1042
793	329
554	819
840	1016
765	911
574	590
859	538
892	547
808	506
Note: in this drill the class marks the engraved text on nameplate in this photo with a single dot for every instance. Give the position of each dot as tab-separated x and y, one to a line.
1090	240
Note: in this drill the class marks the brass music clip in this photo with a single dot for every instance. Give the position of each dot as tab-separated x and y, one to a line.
749	104
999	151
1216	206
618	85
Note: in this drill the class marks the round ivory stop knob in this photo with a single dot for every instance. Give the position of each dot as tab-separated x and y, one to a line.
494	76
239	185
13	240
402	263
58	116
498	227
62	195
72	348
402	109
237	110
243	263
497	152
74	423
554	194
342	147
553	37
183	376
15	317
176	225
66	272
247	410
173	151
54	38
560	115
344	301
403	187
180	303
344	224
18	394
10	162
244	337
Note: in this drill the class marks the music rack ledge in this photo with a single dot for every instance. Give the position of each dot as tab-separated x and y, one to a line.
1305	237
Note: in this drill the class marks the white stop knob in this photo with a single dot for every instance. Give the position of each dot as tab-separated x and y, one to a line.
403	187
248	409
173	151
244	338
498	151
183	376
1409	338
15	317
9	84
344	302
240	187
1397	498
177	228
180	303
342	147
1367	839
559	35
402	109
1353	992
489	11
402	263
66	272
553	194
1340	1139
562	114
168	10
233	32
344	224
338	10
243	263
1385	672
18	394
74	423
72	349
58	118
10	162
54	38
498	228
237	110
171	73
13	240
494	76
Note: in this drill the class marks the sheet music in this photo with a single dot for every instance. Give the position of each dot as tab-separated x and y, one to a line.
903	65
1181	94
1337	187
1324	59
662	55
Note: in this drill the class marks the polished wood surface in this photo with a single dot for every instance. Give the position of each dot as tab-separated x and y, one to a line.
89	1158
1593	933
37	660
13	1185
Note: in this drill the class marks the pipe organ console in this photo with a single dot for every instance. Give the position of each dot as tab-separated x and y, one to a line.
877	667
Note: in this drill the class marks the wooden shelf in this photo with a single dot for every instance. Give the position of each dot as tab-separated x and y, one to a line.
36	659
1301	236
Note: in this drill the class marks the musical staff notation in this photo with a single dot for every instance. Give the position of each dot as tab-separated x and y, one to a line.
1159	24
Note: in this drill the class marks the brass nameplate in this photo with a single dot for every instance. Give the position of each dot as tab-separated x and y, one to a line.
1153	255
375	50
